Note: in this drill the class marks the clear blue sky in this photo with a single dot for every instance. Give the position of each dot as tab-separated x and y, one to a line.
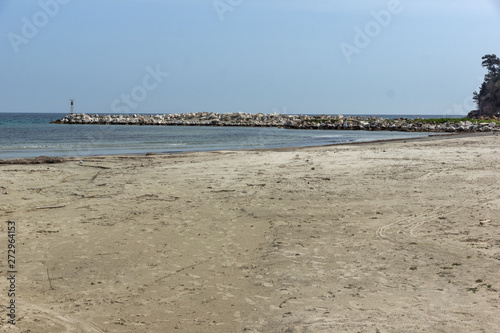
286	56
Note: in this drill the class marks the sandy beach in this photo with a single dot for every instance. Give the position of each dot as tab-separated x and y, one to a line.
399	236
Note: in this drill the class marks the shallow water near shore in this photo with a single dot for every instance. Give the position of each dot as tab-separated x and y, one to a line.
25	135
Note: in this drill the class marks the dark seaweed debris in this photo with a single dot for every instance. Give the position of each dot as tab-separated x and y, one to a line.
36	160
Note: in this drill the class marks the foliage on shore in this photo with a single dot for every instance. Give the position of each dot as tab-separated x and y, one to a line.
425	121
452	120
488	97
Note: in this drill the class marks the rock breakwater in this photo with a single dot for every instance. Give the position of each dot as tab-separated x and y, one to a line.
324	122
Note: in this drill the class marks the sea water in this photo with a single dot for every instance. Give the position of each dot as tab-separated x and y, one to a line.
24	135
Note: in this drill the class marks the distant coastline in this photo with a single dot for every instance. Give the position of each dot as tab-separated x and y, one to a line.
323	122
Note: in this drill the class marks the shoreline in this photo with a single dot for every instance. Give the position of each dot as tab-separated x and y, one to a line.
58	159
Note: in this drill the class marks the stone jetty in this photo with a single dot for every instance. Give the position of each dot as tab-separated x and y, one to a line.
324	122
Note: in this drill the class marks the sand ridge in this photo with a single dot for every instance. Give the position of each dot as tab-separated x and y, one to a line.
381	237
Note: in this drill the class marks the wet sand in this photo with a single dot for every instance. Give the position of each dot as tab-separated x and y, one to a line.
399	236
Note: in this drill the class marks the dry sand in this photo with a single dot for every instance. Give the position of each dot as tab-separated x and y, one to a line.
382	237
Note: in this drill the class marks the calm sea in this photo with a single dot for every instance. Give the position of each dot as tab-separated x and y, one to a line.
31	134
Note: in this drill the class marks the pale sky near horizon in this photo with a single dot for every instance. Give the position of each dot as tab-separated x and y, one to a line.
285	56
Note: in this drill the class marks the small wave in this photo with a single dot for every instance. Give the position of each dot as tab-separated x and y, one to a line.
33	147
173	144
327	136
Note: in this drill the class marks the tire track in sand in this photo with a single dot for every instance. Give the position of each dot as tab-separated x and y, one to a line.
429	216
70	324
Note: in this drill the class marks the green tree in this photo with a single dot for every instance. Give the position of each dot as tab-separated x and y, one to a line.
488	97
